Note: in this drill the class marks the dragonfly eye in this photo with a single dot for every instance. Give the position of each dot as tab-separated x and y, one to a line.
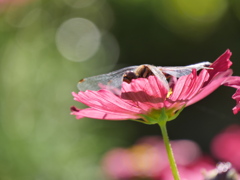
128	76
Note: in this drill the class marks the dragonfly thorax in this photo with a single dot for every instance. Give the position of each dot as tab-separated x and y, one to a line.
143	71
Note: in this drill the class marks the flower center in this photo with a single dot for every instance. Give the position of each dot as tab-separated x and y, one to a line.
169	93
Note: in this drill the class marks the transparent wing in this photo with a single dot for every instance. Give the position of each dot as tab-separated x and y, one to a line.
104	81
179	71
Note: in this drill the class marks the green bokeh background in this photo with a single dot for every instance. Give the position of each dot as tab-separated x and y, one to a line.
39	140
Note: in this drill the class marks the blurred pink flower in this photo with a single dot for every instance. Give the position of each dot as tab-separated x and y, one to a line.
117	164
146	98
226	146
192	171
148	159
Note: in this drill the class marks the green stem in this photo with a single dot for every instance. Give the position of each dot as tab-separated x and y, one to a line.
169	151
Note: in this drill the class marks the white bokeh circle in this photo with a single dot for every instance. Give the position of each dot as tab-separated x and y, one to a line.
78	39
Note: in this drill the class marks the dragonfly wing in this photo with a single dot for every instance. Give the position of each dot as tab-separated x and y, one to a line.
104	81
179	71
173	71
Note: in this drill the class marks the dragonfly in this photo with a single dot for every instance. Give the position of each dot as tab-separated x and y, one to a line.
114	80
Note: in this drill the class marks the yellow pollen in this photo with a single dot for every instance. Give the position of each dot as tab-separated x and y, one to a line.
169	93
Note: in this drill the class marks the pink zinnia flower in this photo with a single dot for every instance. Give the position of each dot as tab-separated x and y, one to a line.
149	99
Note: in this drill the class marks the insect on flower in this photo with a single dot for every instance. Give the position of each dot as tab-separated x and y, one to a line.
149	92
114	79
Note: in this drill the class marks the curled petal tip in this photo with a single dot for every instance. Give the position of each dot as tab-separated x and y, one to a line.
73	93
74	109
236	109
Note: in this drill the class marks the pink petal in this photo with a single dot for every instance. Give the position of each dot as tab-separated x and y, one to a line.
105	100
192	85
152	87
187	87
200	81
181	86
211	86
97	114
146	93
156	87
223	63
236	96
233	81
